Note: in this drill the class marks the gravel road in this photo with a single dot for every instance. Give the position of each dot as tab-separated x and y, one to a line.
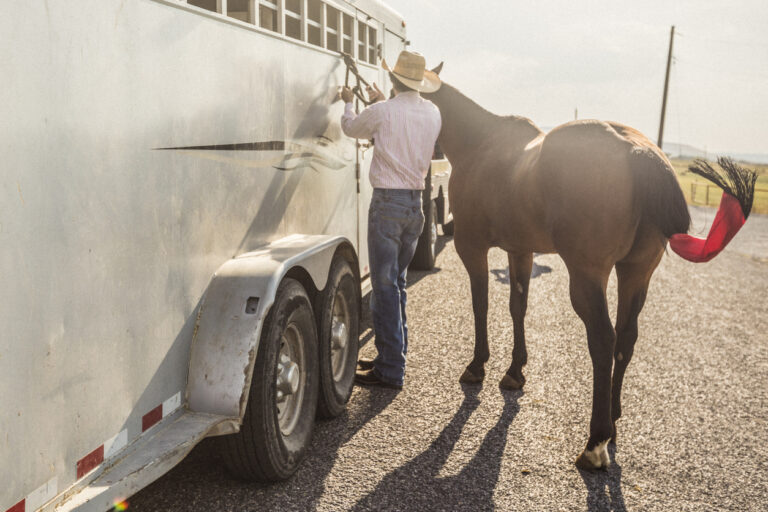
693	436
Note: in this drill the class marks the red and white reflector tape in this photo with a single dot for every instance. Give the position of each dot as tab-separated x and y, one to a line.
150	419
38	497
91	461
100	454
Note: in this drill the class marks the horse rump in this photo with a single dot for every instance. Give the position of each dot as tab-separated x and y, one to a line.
658	193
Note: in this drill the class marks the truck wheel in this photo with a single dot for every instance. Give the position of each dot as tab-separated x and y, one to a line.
282	402
424	258
338	314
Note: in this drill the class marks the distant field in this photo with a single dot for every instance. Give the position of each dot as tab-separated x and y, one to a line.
695	188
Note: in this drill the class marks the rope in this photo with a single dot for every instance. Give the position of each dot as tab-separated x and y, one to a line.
352	68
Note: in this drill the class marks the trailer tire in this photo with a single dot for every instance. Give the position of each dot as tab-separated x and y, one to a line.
280	413
426	251
339	331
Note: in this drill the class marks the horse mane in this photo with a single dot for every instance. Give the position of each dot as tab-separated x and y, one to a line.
475	123
471	112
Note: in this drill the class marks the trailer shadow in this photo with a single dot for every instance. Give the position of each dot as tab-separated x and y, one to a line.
202	472
418	483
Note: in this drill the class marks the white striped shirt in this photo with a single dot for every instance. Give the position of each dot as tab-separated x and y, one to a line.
404	130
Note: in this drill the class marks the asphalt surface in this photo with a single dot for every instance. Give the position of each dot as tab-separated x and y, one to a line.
693	436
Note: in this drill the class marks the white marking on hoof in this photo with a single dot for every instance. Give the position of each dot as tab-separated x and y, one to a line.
598	456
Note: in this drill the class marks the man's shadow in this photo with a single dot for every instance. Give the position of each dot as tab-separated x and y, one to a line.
604	487
417	486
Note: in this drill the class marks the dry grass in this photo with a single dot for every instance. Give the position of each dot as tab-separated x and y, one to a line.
698	191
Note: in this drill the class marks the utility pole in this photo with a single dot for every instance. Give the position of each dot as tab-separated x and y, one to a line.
660	140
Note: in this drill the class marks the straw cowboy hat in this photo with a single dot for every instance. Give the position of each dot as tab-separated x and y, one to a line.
411	71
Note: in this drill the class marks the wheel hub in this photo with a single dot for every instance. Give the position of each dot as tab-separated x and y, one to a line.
289	381
287	378
339	335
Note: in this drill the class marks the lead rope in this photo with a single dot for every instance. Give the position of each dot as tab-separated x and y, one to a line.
352	68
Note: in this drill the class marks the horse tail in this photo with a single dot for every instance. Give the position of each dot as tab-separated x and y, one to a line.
736	181
669	212
658	193
738	186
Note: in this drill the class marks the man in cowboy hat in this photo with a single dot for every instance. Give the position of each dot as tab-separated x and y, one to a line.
405	129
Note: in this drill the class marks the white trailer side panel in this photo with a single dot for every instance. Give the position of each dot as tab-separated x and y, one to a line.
107	243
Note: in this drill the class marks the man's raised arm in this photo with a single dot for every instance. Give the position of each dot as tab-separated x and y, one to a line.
360	126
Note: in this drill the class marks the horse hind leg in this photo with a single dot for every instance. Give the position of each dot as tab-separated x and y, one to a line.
519	278
588	299
633	279
476	262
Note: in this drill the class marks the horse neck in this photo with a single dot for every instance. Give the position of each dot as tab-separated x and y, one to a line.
464	121
467	127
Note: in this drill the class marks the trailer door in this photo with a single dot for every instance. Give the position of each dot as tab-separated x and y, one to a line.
367	38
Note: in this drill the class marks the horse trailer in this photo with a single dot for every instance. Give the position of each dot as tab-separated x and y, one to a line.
183	231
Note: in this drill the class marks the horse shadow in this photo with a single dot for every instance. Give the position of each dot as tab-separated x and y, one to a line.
604	491
502	274
418	484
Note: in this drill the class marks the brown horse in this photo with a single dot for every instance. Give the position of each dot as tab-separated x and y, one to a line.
598	193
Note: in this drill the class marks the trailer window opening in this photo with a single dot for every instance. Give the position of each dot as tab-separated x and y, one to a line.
268	16
310	21
332	18
292	19
347	36
362	37
315	22
293	6
240	10
209	5
372	45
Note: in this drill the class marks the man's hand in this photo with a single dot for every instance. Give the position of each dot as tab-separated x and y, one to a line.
347	95
374	93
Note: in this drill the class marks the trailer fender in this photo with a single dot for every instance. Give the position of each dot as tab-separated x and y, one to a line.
231	315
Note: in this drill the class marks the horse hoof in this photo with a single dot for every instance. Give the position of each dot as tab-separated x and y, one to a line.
596	458
470	378
509	382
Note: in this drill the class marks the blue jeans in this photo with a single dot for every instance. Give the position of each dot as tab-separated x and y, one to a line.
395	221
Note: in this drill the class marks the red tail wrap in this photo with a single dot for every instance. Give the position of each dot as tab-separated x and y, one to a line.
727	223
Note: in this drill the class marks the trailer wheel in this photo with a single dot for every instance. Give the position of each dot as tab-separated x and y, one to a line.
424	258
280	414
338	314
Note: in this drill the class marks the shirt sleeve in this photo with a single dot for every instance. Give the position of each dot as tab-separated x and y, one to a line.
361	126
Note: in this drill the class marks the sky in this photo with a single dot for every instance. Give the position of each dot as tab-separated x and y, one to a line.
544	59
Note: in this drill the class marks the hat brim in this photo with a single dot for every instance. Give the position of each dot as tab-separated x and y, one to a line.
430	83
